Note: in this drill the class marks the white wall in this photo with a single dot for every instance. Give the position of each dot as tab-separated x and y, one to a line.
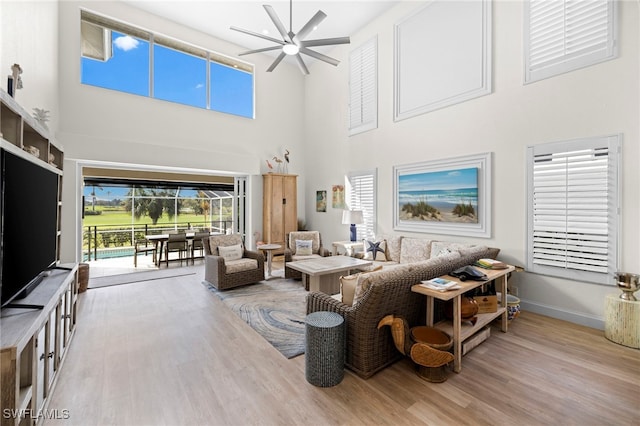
29	37
600	100
109	126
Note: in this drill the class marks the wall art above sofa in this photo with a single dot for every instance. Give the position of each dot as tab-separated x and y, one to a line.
450	196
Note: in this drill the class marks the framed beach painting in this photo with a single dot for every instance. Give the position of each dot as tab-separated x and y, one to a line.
450	196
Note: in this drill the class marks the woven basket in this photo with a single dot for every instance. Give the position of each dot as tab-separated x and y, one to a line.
437	339
83	277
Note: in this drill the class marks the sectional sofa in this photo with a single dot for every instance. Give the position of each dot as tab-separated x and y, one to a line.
388	291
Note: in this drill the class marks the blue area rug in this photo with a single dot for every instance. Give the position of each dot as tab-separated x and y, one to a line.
276	309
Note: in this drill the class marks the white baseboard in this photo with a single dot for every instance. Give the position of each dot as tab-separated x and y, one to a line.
553	312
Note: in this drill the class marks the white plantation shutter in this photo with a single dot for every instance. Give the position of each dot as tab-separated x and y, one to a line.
573	209
361	193
565	35
363	87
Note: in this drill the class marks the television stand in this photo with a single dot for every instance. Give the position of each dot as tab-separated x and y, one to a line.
61	268
33	346
23	306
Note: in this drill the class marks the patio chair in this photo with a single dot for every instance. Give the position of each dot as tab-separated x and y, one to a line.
198	244
177	242
145	246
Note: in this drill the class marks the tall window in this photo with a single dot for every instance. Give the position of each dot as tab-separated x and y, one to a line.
573	209
122	57
361	195
565	35
363	87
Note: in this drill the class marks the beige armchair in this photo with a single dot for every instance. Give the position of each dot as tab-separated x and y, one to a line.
228	264
294	253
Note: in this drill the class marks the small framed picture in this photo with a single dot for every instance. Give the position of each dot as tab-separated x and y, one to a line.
321	201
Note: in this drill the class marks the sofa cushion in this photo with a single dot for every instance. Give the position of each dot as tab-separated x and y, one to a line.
357	285
414	250
348	288
393	248
240	265
439	247
228	253
375	250
304	247
223	240
313	236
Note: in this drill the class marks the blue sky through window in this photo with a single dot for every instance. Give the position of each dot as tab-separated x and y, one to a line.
127	70
231	90
178	76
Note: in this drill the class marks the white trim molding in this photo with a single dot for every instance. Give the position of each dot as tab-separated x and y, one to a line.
442	56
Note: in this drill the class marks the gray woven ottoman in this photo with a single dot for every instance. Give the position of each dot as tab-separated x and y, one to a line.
324	348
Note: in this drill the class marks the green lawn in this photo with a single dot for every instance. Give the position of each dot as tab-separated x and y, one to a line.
112	217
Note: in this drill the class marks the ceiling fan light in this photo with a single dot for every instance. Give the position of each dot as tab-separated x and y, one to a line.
290	49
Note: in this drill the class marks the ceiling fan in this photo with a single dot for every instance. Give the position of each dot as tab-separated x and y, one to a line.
294	44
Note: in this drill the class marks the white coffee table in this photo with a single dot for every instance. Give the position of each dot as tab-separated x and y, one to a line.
324	272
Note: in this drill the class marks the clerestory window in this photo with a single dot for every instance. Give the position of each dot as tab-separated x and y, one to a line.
121	57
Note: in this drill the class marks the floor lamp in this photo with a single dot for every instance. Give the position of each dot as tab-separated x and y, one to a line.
353	218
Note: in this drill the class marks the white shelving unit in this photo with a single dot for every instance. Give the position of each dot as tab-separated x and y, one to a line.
33	342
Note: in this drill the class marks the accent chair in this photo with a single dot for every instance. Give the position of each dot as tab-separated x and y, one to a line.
229	264
297	248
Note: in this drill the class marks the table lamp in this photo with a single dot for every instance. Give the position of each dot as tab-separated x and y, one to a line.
352	217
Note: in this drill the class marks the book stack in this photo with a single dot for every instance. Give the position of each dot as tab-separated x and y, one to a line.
440	284
491	264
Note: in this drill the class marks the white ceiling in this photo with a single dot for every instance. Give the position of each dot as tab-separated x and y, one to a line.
215	17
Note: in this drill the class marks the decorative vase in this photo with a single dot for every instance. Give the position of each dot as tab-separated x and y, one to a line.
468	309
628	283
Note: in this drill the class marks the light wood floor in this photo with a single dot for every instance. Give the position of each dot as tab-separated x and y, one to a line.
169	352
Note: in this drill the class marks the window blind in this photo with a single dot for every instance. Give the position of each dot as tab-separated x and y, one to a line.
363	87
573	209
362	196
564	35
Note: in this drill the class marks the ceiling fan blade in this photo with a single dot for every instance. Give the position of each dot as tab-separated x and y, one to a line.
275	40
276	21
302	65
325	41
320	56
266	49
308	27
276	62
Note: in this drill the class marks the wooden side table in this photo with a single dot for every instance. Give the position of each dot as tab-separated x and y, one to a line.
347	246
458	331
269	248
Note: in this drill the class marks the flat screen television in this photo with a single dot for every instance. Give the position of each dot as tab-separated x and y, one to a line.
29	214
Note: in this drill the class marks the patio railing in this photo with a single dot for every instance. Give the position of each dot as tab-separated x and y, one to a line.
109	241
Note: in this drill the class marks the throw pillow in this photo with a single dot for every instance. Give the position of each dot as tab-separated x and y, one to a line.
304	247
230	252
348	288
375	250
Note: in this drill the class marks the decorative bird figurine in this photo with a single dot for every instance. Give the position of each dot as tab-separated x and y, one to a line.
269	165
286	158
279	163
399	332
